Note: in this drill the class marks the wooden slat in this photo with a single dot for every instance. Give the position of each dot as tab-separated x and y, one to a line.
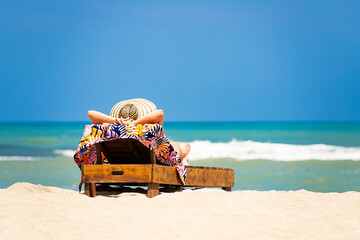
127	158
133	150
166	175
196	176
136	173
152	157
98	153
122	148
132	153
127	154
123	142
108	154
210	177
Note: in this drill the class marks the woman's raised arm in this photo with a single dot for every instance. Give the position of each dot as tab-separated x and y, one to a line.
99	118
156	116
152	118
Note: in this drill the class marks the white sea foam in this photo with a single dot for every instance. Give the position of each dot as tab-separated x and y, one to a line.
65	152
19	158
249	150
246	150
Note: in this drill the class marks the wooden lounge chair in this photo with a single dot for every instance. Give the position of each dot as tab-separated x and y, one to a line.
133	163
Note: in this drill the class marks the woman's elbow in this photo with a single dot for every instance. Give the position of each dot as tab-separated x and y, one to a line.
92	115
160	112
160	117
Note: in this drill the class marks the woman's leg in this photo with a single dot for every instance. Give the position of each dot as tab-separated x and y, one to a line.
176	146
183	151
185	161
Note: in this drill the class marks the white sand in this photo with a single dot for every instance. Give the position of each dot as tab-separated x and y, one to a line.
36	212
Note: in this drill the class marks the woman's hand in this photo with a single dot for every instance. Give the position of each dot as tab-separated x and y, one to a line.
123	120
127	120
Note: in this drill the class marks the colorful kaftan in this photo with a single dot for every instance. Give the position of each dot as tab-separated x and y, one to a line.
150	135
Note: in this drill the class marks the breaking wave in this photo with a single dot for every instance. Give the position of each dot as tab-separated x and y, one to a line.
65	152
250	150
20	158
245	150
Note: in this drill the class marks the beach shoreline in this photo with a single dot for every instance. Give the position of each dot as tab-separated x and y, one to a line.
39	212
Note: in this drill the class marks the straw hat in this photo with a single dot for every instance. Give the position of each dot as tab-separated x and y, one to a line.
143	107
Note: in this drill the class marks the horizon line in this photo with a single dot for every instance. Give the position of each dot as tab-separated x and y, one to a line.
186	121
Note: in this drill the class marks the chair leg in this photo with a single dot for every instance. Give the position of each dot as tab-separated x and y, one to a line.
228	189
87	189
90	189
153	190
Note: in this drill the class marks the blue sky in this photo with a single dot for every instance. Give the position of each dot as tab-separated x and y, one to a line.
197	60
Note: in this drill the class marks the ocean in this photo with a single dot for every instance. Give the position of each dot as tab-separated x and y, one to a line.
315	156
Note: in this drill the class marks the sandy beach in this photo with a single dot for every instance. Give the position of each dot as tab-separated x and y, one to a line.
30	211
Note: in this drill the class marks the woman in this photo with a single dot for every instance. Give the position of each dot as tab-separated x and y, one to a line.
129	112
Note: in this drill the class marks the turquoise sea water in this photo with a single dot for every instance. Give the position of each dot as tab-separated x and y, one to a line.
316	156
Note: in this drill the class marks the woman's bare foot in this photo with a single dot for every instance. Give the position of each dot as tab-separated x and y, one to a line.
185	161
184	150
